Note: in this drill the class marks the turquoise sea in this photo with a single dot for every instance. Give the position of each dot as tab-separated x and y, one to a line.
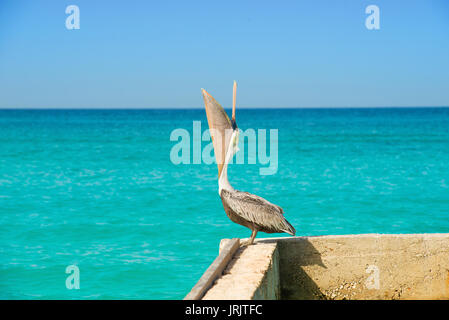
97	189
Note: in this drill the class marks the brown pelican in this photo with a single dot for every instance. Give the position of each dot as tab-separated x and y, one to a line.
243	208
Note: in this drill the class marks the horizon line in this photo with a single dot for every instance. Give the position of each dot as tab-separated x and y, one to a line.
201	108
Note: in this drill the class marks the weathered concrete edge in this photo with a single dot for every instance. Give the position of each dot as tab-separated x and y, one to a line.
252	274
227	251
348	236
270	286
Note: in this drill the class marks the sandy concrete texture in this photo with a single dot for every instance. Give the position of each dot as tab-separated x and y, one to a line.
369	266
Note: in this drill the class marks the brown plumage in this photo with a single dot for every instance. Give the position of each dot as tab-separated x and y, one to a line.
255	212
243	208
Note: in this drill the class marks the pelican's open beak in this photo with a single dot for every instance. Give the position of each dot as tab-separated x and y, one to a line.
221	127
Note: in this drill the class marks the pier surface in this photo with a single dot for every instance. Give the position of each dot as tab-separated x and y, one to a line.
368	266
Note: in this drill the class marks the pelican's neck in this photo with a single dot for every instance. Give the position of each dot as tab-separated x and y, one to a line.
223	182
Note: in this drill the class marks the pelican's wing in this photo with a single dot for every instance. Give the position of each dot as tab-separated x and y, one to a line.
220	128
267	216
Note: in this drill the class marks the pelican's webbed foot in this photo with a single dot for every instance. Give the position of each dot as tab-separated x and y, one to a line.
246	243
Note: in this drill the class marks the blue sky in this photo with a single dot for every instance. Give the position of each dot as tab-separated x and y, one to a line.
158	54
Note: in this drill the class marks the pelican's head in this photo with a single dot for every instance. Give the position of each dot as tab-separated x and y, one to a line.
235	137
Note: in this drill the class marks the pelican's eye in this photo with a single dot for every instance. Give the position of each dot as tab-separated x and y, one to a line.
233	124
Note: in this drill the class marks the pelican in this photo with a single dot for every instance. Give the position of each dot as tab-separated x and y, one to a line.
241	207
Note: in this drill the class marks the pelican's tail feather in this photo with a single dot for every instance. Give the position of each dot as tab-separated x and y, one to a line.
289	228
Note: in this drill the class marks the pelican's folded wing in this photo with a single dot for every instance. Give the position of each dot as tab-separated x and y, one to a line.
256	210
220	128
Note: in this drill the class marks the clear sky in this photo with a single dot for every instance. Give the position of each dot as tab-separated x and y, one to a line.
159	54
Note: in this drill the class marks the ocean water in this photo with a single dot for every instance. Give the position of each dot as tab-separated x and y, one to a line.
97	189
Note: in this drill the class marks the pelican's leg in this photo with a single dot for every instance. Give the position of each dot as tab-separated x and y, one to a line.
250	240
253	235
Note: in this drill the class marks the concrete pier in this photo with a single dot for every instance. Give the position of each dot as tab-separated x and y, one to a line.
369	266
